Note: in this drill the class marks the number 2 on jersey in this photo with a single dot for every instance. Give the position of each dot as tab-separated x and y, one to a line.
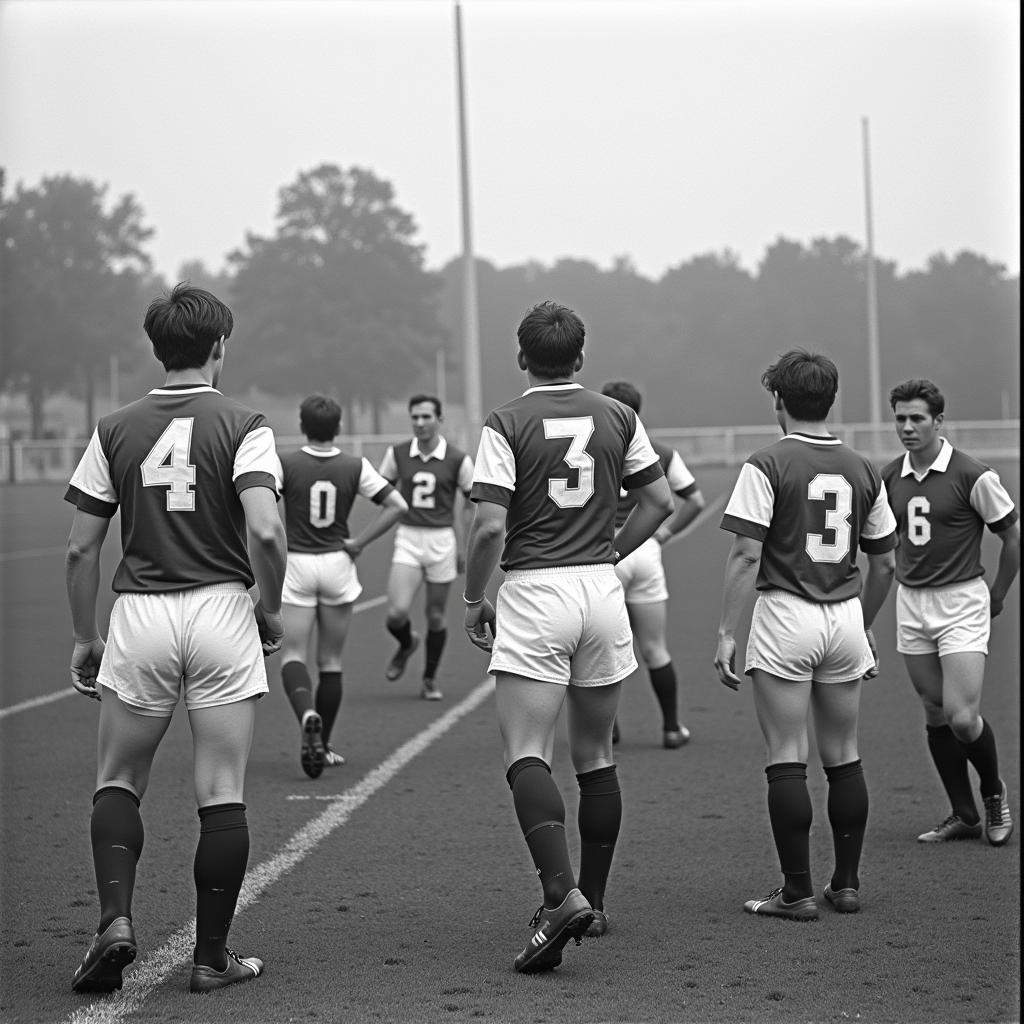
579	429
823	487
167	465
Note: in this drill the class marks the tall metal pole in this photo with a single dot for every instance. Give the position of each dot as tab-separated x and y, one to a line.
874	370
470	315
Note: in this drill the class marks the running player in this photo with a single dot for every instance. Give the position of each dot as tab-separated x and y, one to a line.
943	499
194	476
643	576
800	509
429	472
319	485
547	479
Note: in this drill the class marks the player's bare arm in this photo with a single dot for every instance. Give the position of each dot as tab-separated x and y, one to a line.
82	574
687	510
740	572
881	570
486	538
268	556
654	505
392	509
1007	567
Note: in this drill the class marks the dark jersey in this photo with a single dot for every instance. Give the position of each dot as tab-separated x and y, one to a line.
811	501
319	488
428	483
556	458
679	477
941	515
175	463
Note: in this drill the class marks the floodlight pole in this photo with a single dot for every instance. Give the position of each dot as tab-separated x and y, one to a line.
874	371
470	314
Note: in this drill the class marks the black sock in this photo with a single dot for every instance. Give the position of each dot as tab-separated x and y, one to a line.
402	633
983	755
790	812
219	868
435	645
599	817
950	760
541	814
848	816
328	700
663	679
298	687
117	838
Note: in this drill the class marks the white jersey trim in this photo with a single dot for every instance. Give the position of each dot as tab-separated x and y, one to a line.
678	473
940	464
92	475
495	461
753	497
881	521
258	454
370	481
640	454
989	498
321	453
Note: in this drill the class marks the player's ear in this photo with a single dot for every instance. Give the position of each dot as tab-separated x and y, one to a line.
218	348
778	399
521	360
579	363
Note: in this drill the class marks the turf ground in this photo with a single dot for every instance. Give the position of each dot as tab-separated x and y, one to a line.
398	887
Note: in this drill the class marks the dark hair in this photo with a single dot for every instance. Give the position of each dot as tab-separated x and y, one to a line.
319	417
185	325
416	399
806	382
551	339
624	392
919	387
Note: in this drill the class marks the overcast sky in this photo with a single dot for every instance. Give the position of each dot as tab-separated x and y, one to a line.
597	128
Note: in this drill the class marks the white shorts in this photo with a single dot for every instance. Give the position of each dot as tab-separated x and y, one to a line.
565	625
943	620
432	549
326	578
202	641
642	574
801	640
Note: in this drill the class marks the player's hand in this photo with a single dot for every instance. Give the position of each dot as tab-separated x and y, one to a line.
995	606
460	562
873	671
85	665
725	662
271	627
480	624
352	548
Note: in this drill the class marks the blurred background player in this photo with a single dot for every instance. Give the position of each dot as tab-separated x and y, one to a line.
319	485
429	473
643	576
548	473
194	476
942	500
800	509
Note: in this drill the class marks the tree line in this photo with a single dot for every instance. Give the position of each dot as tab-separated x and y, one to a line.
339	299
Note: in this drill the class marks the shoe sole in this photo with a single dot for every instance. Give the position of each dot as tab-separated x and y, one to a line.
550	956
105	974
951	839
396	667
313	753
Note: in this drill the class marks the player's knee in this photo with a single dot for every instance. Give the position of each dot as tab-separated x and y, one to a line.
964	722
653	653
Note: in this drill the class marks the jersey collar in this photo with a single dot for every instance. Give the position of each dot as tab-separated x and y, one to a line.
939	465
321	453
184	389
438	453
568	385
797	435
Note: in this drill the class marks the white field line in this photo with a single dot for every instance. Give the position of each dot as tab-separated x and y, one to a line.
154	969
49	698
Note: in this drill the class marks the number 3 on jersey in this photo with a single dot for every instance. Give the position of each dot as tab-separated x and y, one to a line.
579	429
167	465
823	487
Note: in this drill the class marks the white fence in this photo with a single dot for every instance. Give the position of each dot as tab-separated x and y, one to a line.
34	461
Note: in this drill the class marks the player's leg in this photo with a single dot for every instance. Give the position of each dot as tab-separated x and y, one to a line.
403	582
333	623
648	621
299	620
947	752
591	712
782	708
222	738
527	714
437	636
836	708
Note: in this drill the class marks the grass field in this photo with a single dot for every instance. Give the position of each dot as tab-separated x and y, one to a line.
398	887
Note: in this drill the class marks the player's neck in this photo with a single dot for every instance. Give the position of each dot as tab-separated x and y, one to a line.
428	446
540	382
320	446
198	375
926	456
816	428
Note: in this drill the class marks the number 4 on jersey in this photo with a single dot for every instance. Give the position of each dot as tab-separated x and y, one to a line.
167	465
